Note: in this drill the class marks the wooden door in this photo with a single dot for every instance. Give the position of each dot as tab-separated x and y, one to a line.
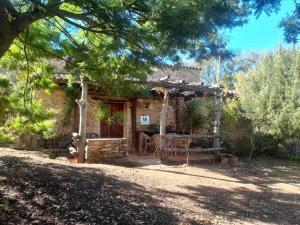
114	129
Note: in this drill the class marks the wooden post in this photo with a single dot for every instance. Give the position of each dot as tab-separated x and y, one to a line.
163	113
133	121
163	122
177	119
141	141
83	104
217	125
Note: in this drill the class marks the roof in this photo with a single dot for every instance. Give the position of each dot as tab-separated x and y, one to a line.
176	74
182	80
178	78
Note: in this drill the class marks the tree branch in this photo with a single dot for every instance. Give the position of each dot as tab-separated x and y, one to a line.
7	33
9	7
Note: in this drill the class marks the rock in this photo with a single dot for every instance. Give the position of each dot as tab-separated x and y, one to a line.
229	159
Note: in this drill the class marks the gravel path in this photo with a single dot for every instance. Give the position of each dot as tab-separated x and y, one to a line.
37	190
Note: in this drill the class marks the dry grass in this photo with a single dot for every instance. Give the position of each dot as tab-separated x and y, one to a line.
37	190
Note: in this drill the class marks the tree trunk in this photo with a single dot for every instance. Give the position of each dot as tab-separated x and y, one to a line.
7	33
12	23
217	125
252	139
83	104
163	122
6	40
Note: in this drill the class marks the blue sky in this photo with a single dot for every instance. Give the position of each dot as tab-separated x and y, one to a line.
261	33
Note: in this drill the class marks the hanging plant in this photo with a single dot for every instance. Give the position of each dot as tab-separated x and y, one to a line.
118	117
103	113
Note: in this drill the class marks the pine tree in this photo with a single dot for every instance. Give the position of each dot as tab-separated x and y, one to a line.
269	95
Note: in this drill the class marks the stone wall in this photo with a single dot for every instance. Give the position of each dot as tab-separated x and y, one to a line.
98	150
152	107
65	117
179	105
92	124
206	102
144	107
65	122
68	123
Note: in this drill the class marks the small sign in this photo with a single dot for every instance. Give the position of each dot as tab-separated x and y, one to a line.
145	120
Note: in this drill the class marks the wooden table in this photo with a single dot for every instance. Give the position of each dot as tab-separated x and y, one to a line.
176	143
181	143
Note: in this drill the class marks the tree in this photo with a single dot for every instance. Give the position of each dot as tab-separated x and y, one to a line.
109	41
269	95
5	90
291	25
179	23
21	111
106	41
229	68
142	23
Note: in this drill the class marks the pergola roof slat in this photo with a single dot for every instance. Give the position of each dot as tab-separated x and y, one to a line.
183	87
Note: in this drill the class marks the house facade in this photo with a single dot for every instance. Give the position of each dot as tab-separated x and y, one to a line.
140	114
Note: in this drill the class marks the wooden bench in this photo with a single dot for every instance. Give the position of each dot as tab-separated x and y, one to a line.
180	143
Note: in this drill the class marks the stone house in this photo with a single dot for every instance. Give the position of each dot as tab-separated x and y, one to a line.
139	113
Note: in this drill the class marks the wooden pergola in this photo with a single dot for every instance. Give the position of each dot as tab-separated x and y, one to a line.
181	88
178	88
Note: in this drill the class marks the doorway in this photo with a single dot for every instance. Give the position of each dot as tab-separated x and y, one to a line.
113	129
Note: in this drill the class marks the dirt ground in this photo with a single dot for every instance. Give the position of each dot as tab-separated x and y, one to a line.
37	190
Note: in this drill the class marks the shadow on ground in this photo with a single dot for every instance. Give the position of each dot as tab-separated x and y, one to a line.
59	194
34	192
242	204
265	204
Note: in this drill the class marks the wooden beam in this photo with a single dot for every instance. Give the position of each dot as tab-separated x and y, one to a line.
203	136
185	87
217	125
177	119
133	121
205	149
163	113
163	123
180	86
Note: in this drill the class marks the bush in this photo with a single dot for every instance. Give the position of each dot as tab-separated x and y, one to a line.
239	147
193	116
5	136
265	145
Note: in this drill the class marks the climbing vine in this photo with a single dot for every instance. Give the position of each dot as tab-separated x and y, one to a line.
103	113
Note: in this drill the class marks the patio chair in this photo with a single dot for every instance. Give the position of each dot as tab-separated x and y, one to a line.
156	139
148	141
176	144
165	144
